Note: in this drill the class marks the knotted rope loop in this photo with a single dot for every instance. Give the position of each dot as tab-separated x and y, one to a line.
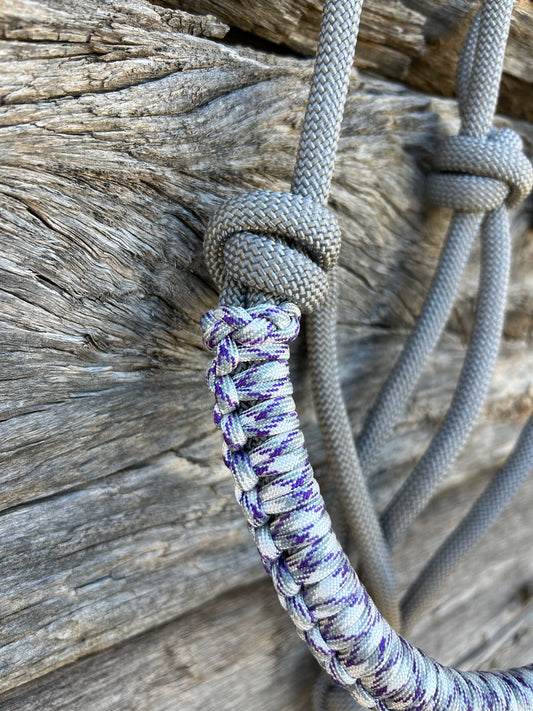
280	244
479	174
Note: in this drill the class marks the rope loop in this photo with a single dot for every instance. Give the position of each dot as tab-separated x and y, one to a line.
280	244
315	582
477	174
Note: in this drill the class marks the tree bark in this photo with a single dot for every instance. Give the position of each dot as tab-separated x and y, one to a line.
123	124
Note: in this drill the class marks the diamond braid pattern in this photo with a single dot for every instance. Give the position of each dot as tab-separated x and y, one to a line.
275	486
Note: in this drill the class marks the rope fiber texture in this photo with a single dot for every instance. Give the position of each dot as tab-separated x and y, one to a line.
273	255
251	265
333	613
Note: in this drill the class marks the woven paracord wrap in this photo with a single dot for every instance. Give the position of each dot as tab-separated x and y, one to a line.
244	239
264	449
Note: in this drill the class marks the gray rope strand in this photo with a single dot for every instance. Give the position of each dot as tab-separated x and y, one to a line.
480	69
245	254
473	383
481	516
317	149
281	500
488	157
479	66
402	380
312	177
376	569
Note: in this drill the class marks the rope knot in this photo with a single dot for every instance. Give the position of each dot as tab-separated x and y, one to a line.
478	174
234	332
280	244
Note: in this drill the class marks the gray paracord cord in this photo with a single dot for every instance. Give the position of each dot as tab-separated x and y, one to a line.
477	169
490	158
312	177
481	516
473	383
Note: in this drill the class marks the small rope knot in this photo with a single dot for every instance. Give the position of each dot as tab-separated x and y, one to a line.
235	332
479	174
280	244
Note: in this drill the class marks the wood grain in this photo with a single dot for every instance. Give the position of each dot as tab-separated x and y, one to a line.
223	657
122	126
414	41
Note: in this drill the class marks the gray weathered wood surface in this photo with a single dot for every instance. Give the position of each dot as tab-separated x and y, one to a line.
415	41
122	125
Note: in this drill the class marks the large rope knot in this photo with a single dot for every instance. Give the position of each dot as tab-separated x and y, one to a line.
280	244
479	174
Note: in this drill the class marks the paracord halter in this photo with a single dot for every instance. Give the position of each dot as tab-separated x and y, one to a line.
265	284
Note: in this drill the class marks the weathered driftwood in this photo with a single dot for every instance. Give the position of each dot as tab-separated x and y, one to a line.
415	41
224	656
121	129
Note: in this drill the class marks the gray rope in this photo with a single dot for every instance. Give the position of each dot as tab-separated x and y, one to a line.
473	383
249	265
477	172
317	149
312	177
376	569
496	157
480	67
481	516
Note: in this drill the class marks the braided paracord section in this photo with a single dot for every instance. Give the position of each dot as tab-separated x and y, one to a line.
275	486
